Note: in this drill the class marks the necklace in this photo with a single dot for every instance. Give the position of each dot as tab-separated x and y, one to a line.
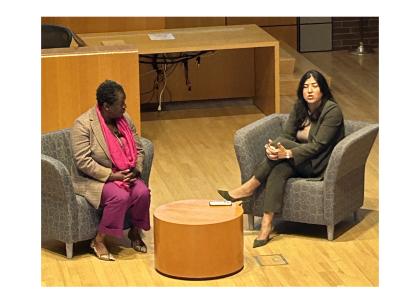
114	129
116	133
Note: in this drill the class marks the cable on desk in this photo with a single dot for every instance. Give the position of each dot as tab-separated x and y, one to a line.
160	63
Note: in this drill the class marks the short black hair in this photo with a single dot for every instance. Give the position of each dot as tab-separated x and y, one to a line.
108	92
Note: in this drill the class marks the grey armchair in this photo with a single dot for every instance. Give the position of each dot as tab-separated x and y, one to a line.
323	201
68	217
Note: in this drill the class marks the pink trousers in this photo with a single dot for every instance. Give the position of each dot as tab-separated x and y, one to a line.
117	202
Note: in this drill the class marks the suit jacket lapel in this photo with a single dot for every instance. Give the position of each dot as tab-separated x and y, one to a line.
314	129
97	131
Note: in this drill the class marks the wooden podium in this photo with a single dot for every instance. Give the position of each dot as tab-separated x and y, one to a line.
198	241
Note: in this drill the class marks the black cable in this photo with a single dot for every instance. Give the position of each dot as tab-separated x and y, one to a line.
181	55
168	59
173	67
153	90
167	62
173	61
157	82
149	91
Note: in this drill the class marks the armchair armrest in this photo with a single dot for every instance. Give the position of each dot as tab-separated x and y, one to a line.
344	176
351	153
249	142
58	201
148	159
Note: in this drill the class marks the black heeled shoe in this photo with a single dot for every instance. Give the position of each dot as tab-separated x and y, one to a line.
226	196
260	243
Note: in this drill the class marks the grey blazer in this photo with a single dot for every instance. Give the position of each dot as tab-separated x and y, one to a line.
92	163
324	134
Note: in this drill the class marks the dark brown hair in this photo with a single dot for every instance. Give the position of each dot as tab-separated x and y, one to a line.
301	106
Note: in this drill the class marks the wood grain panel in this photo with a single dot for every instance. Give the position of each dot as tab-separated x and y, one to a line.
189	39
286	34
289	84
267	79
184	22
302	63
212	239
106	24
261	21
69	82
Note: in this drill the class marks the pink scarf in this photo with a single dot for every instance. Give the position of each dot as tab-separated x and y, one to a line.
122	156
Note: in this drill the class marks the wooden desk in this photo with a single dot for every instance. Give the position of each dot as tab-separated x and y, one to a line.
266	53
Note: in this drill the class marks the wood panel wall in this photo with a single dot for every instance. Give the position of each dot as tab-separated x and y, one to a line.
185	22
69	78
282	28
106	24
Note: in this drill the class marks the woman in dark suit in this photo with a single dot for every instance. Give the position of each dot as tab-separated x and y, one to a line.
315	125
108	155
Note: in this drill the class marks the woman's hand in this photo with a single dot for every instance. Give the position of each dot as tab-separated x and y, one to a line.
120	175
277	153
126	175
270	151
283	153
133	175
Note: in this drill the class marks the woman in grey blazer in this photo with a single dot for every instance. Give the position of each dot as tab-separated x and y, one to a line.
315	125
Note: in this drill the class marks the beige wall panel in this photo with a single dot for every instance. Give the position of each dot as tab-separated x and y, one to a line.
185	22
287	34
224	74
69	85
106	24
261	21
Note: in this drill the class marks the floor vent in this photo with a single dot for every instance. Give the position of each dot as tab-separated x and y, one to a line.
271	260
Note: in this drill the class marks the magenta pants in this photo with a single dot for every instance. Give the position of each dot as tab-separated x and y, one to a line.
117	202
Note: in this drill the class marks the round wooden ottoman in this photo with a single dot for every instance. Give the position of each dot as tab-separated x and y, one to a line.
195	240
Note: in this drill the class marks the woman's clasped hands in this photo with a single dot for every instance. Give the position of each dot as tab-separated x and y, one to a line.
274	153
127	175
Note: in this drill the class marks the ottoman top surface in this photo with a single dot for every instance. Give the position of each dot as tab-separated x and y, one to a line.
197	212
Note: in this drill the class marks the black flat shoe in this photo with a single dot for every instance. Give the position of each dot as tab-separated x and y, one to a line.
139	246
260	243
136	242
226	196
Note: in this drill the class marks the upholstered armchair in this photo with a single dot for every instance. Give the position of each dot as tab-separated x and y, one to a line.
68	217
323	201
